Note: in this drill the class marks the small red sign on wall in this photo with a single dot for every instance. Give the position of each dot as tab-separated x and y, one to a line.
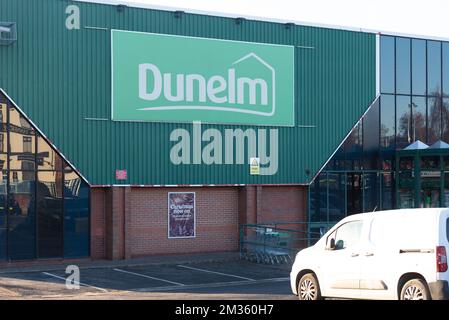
121	174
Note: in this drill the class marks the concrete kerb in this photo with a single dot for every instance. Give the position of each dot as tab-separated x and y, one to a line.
134	262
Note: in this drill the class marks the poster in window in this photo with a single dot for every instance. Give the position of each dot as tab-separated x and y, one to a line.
181	214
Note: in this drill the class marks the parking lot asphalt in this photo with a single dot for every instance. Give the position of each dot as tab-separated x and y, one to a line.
235	279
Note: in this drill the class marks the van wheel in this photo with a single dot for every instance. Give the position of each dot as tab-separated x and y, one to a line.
308	288
415	289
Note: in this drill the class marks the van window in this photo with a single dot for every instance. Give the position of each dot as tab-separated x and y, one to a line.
346	235
447	229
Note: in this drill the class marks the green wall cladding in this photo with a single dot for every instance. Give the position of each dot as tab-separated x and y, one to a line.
61	78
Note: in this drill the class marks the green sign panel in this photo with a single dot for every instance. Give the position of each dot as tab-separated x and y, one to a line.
170	78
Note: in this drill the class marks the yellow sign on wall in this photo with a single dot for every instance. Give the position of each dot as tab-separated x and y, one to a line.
254	166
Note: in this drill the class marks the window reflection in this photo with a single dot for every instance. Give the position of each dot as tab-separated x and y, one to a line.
419	118
445	120
403	122
49	210
371	138
318	199
47	158
32	212
387	64
21	210
76	218
22	143
371	190
387	191
446	69
433	68
418	67
353	147
403	82
336	184
434	120
387	125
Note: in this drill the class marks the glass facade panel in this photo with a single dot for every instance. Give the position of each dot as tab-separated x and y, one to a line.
76	218
337	205
387	64
414	105
32	213
446	190
387	188
445	120
387	122
433	120
3	220
403	122
22	142
354	192
430	163
21	216
406	198
418	67
318	199
403	80
353	148
419	119
371	139
371	201
47	158
433	68
445	69
49	213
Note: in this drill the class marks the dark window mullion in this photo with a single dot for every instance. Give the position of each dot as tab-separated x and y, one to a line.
62	209
427	94
8	152
441	91
36	221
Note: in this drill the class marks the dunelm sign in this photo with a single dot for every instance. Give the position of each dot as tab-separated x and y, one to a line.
170	78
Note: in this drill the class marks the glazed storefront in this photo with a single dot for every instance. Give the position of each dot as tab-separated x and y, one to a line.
423	179
44	204
385	162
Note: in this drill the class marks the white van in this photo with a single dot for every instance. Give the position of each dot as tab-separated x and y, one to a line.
396	254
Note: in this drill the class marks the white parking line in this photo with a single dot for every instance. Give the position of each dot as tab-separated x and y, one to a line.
212	285
145	276
223	274
76	282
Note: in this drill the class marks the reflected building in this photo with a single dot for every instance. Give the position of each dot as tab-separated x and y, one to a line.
44	204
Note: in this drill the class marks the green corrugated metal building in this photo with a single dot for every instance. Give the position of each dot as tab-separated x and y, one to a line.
139	110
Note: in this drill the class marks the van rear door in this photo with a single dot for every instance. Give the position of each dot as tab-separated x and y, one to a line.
398	243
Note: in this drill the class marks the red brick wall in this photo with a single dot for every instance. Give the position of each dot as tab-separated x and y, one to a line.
286	203
97	229
216	221
129	222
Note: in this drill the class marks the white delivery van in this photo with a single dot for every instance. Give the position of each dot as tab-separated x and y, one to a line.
396	254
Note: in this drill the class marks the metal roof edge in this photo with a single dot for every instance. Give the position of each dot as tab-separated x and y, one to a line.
264	19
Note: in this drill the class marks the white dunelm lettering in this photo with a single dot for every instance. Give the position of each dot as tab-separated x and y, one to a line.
198	88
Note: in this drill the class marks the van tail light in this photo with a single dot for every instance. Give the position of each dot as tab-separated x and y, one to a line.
441	259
